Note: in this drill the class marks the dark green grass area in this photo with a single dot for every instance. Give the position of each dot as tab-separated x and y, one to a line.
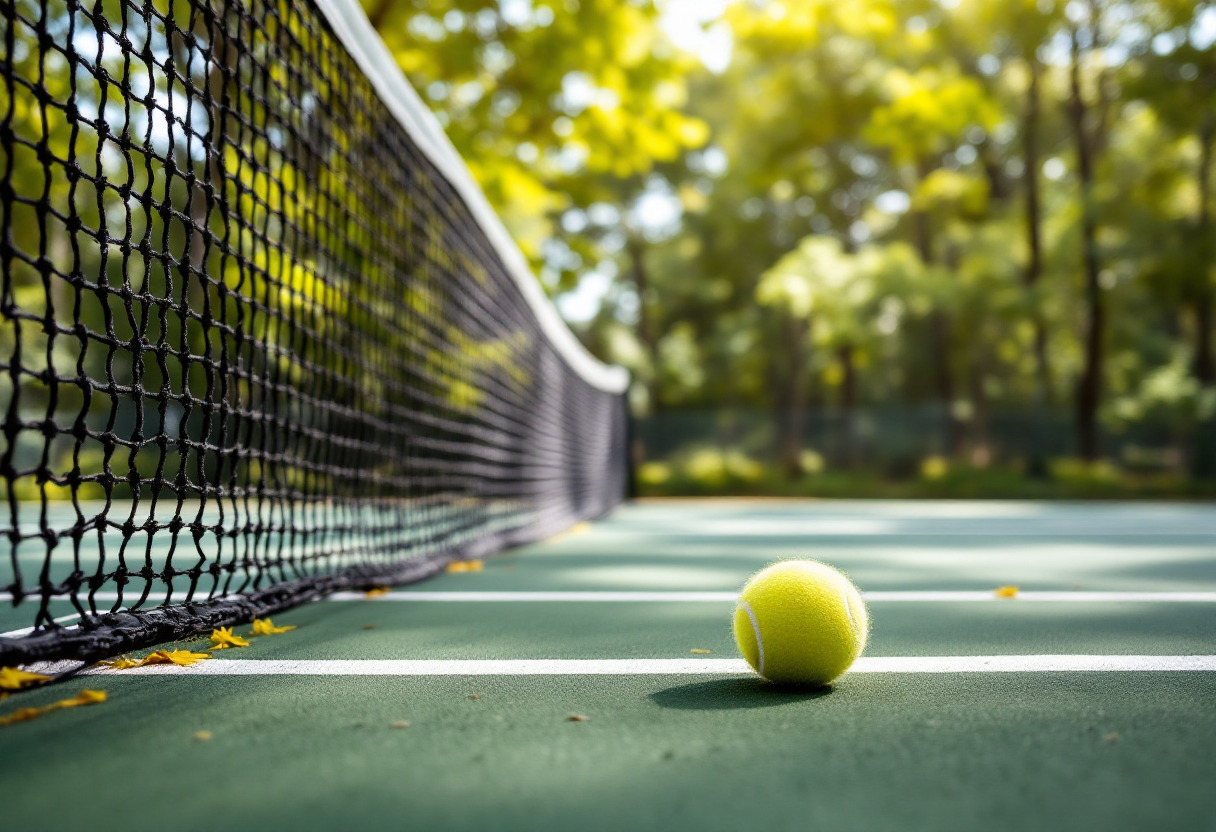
1069	481
1075	751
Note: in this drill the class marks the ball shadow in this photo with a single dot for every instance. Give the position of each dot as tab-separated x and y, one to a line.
729	694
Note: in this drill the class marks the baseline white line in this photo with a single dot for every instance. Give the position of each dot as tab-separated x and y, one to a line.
574	596
675	667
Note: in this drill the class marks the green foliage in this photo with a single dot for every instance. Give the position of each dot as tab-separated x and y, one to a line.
550	103
877	202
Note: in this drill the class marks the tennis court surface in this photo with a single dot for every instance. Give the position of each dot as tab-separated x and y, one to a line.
488	667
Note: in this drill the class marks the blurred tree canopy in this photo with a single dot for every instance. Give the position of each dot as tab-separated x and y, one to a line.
964	204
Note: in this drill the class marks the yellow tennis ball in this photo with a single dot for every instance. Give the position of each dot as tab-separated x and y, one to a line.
800	622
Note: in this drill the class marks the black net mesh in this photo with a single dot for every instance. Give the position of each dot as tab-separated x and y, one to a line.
253	345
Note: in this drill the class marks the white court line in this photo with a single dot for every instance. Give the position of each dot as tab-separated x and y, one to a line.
731	597
675	667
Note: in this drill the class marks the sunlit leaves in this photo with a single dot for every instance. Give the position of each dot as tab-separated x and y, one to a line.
546	101
927	113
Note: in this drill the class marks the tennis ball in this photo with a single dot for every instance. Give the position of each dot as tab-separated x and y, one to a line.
800	622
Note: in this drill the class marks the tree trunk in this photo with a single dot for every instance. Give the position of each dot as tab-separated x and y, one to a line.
793	394
1205	362
1037	457
1203	454
848	384
848	404
981	451
646	333
1089	387
939	322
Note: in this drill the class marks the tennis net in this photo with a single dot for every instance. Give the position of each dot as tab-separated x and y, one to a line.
261	336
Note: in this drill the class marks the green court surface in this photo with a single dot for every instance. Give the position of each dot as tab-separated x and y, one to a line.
308	742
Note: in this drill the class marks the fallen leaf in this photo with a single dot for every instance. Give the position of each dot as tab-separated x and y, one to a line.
474	696
700	652
1005	592
578	718
573	531
85	697
13	679
123	662
369	626
401	723
265	627
23	714
222	638
181	658
1111	737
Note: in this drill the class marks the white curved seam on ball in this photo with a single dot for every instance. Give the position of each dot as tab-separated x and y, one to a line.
848	610
755	629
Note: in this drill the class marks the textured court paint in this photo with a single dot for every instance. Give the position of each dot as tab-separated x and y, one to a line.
1007	752
877	596
945	753
669	631
800	622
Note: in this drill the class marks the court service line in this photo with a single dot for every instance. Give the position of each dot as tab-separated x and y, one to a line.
579	596
675	667
731	597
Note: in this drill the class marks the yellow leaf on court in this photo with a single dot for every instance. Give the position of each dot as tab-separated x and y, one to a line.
182	658
1005	592
700	652
85	697
465	566
377	592
223	638
22	714
123	662
13	679
580	528
265	627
